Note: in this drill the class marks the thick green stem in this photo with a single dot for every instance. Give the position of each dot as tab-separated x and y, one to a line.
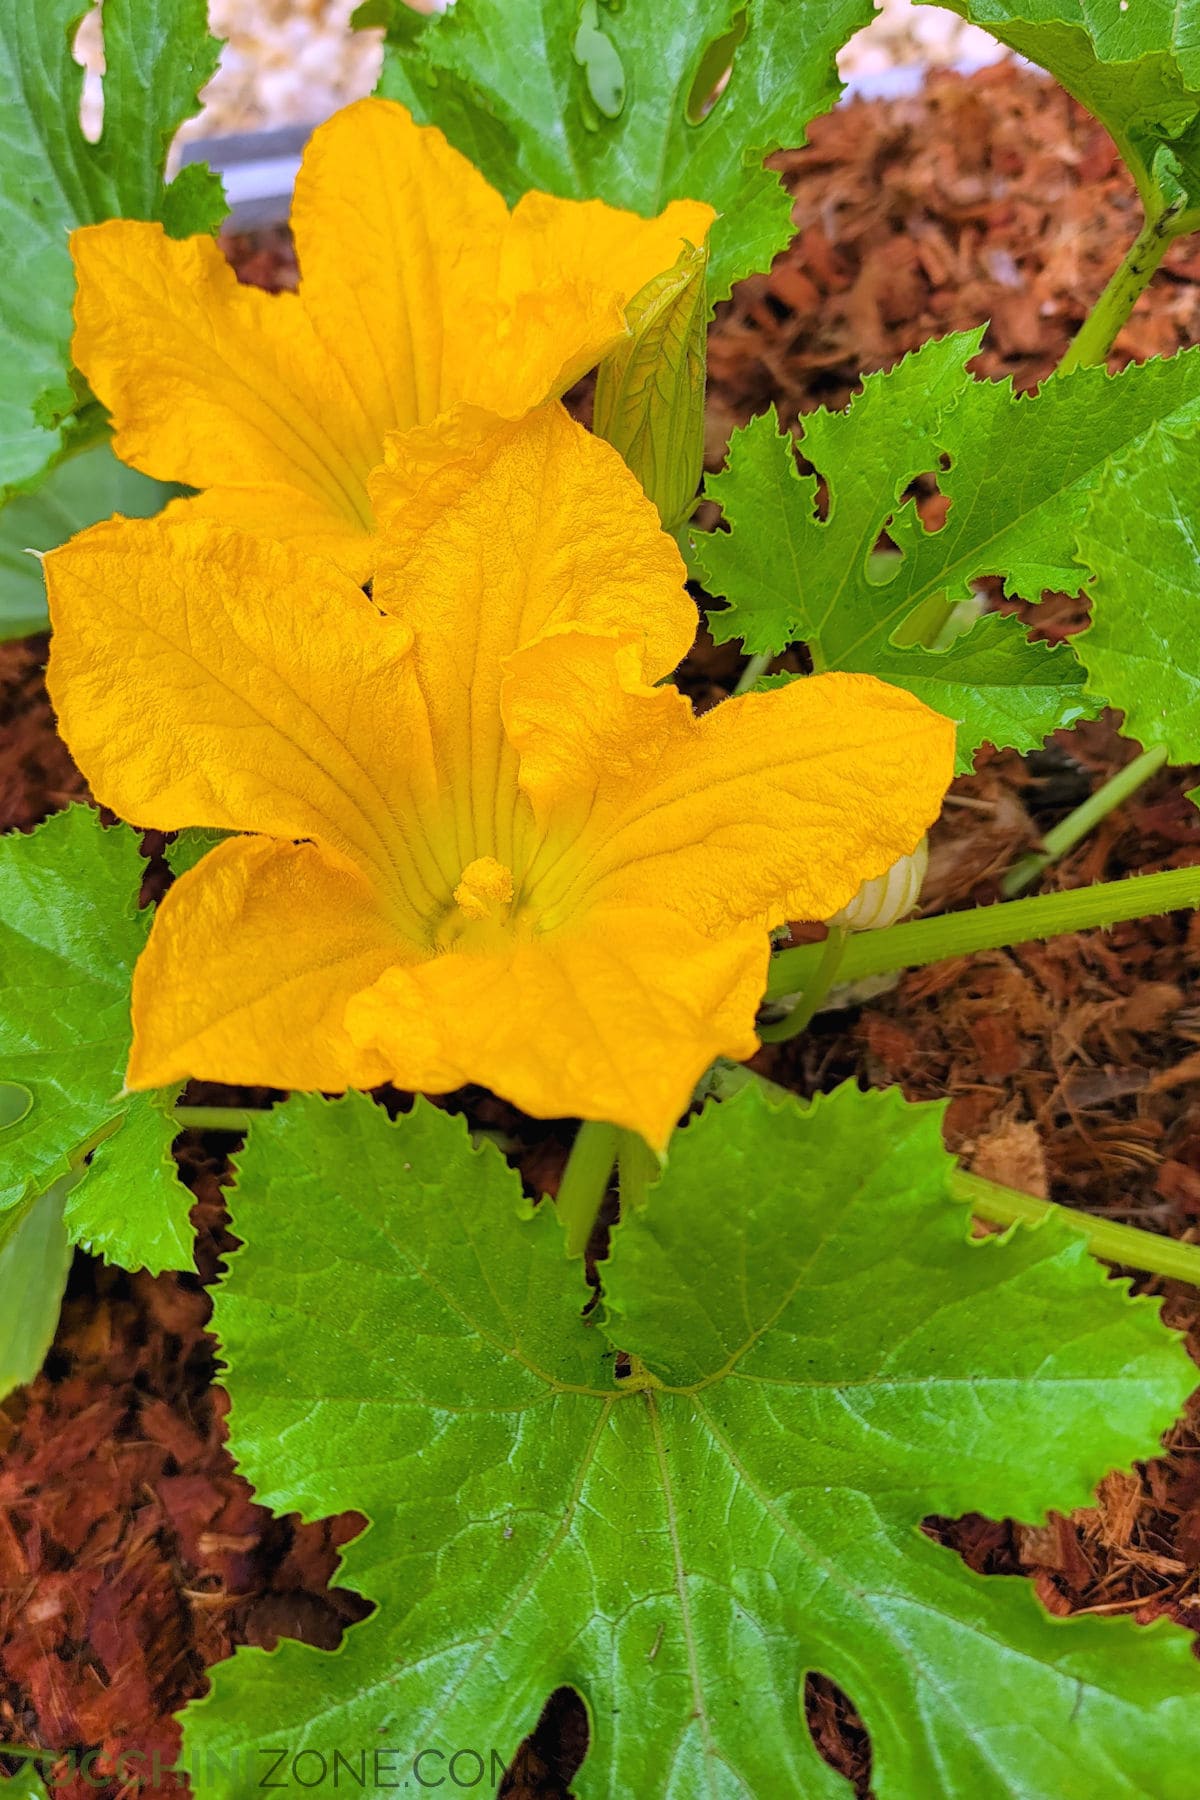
1098	333
923	941
637	1170
237	1119
1076	826
1126	1244
810	1002
585	1181
996	1205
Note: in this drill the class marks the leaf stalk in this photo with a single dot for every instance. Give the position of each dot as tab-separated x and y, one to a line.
920	942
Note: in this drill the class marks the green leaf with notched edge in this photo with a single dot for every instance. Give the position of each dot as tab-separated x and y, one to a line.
188	846
35	1257
1141	540
70	933
158	55
77	493
1022	472
822	1357
1135	64
606	101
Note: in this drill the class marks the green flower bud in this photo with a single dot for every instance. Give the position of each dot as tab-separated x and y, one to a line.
650	390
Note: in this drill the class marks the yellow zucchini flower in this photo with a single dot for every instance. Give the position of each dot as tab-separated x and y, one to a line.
419	291
483	845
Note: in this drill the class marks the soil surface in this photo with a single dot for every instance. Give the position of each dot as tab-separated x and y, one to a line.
132	1556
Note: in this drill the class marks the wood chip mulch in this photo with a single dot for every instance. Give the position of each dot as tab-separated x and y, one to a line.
132	1554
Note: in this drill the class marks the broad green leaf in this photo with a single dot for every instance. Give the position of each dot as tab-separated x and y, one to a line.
35	1257
158	54
70	933
81	490
1141	540
1022	472
1135	64
26	1784
604	100
821	1357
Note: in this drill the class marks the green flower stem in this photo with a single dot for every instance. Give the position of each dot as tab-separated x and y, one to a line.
1096	336
1076	826
802	1014
585	1181
637	1169
923	941
997	1205
218	1118
753	672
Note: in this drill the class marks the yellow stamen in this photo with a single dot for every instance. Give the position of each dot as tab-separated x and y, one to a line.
484	888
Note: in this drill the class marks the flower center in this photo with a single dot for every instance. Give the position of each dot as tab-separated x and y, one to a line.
485	889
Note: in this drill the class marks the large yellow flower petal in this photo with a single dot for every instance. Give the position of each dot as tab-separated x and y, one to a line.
399	239
250	962
616	1018
221	386
419	290
518	531
202	677
770	807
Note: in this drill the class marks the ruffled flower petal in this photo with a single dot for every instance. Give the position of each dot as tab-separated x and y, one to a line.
250	964
616	1018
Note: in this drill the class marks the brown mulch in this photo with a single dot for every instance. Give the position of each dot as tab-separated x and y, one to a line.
133	1555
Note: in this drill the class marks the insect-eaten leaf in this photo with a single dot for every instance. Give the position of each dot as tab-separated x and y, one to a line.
595	100
1019	472
818	1356
158	55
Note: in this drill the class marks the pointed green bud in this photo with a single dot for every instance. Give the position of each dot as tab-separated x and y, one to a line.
650	390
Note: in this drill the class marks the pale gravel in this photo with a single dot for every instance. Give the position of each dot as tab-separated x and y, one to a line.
291	62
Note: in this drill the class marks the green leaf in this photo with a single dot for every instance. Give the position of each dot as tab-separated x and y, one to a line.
35	1258
1022	472
70	933
1140	540
158	55
26	1784
587	100
188	846
1135	64
822	1357
85	488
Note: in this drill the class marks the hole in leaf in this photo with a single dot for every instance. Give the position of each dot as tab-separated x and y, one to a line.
838	1732
550	1757
88	51
601	63
716	66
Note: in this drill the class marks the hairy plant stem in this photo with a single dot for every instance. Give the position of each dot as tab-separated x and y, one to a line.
998	1205
585	1181
1071	830
1096	336
922	941
753	672
815	992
